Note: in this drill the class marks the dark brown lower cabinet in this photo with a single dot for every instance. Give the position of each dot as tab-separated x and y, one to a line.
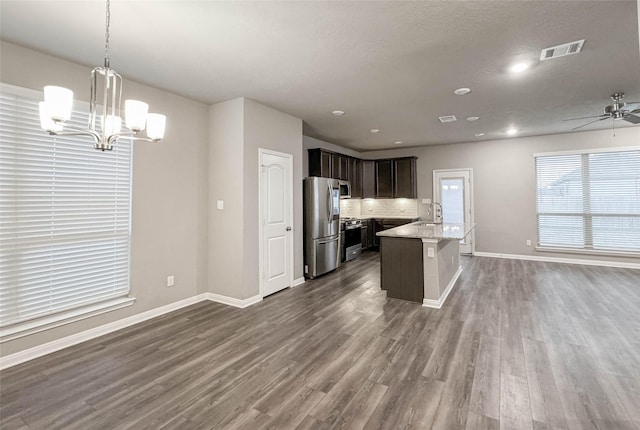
364	235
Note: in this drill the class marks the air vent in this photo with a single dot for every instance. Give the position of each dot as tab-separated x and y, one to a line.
561	50
447	118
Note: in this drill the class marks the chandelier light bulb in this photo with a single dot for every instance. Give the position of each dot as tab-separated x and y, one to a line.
59	102
155	126
113	124
45	119
135	113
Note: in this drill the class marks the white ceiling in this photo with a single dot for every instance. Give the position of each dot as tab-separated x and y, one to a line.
390	65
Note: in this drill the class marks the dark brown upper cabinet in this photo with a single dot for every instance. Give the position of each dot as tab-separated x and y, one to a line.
320	163
355	177
388	178
404	178
368	179
384	178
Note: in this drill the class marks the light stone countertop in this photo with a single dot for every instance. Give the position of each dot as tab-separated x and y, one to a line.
429	231
388	217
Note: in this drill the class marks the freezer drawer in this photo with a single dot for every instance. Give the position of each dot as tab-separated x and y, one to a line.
324	256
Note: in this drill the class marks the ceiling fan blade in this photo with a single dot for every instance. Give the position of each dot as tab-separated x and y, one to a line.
585	117
632	119
591	122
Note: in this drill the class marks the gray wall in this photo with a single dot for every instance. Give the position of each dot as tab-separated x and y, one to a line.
169	213
269	129
504	182
226	182
238	128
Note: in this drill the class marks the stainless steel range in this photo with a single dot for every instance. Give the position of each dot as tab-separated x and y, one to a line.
351	238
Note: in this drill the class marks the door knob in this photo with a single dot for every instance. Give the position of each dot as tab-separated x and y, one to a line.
288	228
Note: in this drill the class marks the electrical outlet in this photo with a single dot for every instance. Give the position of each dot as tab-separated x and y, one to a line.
430	253
528	242
426	201
171	281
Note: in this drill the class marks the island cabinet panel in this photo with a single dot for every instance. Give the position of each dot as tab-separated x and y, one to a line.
404	178
384	178
320	163
355	177
401	268
368	179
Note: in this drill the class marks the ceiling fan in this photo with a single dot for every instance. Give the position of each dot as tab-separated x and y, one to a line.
617	110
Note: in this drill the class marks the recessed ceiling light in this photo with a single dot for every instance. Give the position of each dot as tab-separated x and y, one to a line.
338	112
479	134
462	91
473	118
447	118
398	142
375	130
518	67
512	131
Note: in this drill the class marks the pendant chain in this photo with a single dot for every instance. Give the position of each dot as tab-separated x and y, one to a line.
106	36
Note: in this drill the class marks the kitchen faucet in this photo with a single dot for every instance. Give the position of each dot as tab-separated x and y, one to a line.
437	215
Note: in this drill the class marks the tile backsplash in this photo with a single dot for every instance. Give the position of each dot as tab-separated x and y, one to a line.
367	208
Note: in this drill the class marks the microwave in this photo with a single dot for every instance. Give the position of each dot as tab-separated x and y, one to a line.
345	189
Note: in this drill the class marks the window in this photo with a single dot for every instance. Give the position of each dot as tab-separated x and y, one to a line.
64	215
589	200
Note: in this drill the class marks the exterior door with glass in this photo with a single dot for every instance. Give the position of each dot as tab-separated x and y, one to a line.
453	189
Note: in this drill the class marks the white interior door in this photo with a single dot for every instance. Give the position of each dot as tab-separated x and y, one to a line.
453	190
276	203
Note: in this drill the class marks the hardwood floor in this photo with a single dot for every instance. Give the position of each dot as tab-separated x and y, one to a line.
518	345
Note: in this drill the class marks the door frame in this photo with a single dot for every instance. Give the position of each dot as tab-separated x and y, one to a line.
472	209
261	239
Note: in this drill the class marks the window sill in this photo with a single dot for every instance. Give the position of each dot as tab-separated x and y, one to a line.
41	324
588	251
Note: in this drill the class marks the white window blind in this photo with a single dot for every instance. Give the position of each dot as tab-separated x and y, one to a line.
64	216
589	200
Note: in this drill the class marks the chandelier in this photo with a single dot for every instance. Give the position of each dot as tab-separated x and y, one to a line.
105	123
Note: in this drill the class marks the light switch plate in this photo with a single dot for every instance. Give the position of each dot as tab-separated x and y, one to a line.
430	253
220	204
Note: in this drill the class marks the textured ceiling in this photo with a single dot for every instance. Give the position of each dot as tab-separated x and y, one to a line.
390	65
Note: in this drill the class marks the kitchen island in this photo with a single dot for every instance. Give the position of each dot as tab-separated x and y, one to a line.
421	261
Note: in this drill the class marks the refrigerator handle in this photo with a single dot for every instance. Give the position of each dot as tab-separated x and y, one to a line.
329	241
330	204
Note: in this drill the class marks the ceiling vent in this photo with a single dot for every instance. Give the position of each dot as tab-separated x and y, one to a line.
561	50
447	118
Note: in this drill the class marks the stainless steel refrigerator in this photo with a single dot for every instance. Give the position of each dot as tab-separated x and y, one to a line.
321	226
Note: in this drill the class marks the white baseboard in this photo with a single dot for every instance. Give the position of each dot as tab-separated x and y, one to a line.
603	263
232	301
74	339
298	281
437	304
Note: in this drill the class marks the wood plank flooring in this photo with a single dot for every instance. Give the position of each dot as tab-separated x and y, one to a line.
518	345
